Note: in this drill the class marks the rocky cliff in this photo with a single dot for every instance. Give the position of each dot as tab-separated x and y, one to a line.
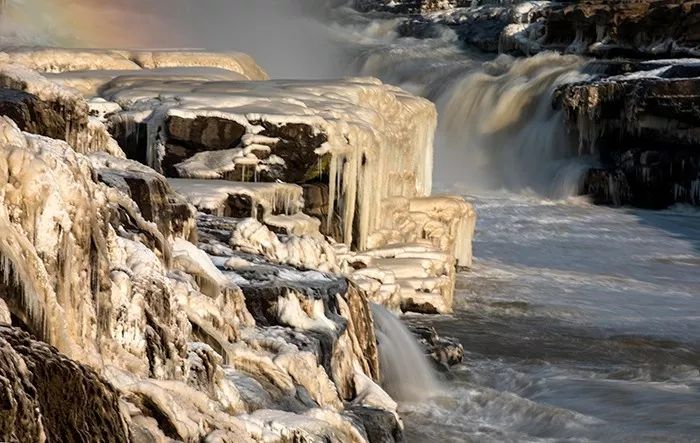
208	305
644	123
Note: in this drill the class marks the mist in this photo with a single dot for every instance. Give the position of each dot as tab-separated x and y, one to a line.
286	37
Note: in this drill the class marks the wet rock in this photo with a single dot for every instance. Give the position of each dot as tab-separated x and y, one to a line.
381	426
445	351
48	396
644	125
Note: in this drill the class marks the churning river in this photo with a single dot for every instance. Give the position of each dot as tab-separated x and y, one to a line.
580	323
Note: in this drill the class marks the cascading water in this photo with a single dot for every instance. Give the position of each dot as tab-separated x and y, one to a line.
406	371
499	126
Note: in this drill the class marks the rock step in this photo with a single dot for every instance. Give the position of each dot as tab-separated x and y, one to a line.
240	199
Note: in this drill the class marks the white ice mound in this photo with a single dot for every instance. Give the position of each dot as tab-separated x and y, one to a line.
55	60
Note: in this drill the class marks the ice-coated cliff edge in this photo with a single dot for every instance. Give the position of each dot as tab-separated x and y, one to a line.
194	249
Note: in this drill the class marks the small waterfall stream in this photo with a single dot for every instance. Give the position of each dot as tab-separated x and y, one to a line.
406	371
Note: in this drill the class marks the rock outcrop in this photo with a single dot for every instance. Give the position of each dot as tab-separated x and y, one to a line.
637	29
48	397
599	28
644	124
208	306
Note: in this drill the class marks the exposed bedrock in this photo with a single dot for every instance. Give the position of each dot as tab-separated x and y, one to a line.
48	397
642	29
644	124
628	28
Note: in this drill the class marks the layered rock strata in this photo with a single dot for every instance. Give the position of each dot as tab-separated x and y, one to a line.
642	120
208	306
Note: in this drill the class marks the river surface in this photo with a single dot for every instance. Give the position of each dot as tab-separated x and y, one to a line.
580	323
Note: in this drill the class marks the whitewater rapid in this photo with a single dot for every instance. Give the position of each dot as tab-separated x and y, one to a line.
580	323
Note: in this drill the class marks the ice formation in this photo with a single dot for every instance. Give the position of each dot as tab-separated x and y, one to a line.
211	300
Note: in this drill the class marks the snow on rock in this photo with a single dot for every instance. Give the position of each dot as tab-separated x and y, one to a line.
47	108
355	134
156	200
312	252
244	320
56	60
237	199
85	271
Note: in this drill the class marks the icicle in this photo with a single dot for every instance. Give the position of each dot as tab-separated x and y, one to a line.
332	191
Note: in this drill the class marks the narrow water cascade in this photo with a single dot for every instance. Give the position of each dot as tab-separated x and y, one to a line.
406	371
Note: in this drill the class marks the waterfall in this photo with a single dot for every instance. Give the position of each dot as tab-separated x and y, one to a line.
406	371
499	128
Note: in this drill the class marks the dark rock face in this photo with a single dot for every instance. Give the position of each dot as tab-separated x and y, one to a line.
381	426
444	351
32	114
185	137
46	394
155	199
646	130
296	146
600	28
648	28
316	204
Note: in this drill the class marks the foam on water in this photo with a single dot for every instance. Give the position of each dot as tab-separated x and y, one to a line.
580	323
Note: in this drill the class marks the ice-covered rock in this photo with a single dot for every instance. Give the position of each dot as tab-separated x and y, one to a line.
642	120
158	203
245	322
138	301
353	134
43	107
48	397
58	60
600	28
